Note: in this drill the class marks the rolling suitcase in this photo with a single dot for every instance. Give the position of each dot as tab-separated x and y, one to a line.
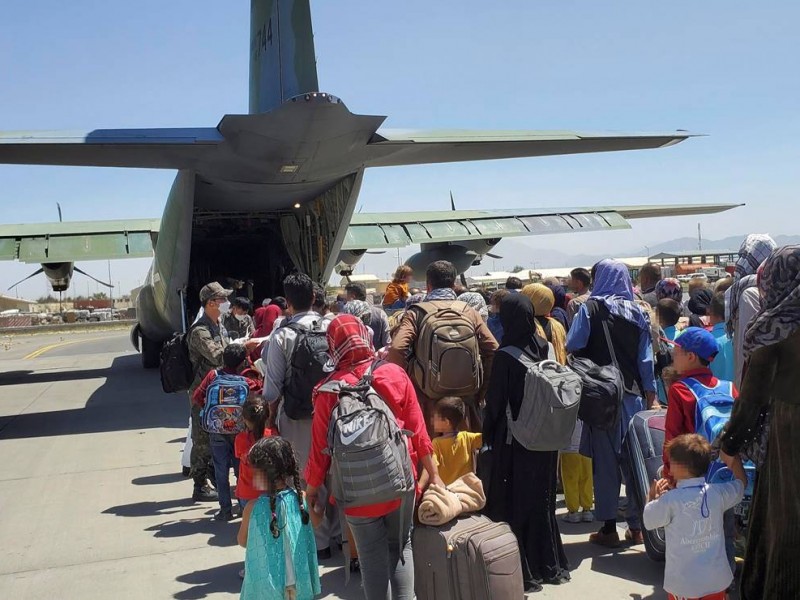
470	558
642	450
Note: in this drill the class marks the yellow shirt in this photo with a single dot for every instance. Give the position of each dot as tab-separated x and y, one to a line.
453	454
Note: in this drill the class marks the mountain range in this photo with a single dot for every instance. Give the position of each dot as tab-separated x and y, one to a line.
515	252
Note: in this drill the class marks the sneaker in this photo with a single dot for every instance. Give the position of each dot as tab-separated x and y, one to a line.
634	536
204	494
587	516
572	517
224	515
609	540
324	554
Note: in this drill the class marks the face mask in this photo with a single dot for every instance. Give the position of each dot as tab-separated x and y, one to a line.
240	317
225	308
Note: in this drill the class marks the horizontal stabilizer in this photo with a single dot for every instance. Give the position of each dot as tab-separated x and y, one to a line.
410	147
173	148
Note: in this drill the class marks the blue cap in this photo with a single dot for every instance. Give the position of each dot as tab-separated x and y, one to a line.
699	341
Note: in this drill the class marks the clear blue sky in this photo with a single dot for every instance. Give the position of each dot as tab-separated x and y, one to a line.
727	69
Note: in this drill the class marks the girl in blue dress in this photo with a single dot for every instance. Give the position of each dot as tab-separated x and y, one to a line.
281	556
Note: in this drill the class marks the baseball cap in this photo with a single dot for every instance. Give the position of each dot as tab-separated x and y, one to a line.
213	290
699	341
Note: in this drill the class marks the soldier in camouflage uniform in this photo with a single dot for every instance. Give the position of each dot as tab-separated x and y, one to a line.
238	323
205	344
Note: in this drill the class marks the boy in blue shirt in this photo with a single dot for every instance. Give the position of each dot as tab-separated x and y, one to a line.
722	367
696	563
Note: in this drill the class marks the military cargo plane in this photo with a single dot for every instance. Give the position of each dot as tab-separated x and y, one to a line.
287	175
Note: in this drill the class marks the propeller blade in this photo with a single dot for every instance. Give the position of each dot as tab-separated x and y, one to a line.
59	212
82	272
464	280
496	256
452	201
34	274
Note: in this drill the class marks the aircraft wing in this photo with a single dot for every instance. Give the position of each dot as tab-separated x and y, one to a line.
175	148
395	230
412	147
74	241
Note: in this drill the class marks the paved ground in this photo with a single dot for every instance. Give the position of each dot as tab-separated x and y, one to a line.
93	504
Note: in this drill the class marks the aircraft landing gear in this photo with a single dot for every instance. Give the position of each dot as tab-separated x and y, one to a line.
151	353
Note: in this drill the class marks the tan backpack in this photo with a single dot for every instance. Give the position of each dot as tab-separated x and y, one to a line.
446	359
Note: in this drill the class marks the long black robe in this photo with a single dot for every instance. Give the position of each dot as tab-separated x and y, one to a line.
772	380
522	490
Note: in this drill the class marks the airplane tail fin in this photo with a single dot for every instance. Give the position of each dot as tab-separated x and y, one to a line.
282	59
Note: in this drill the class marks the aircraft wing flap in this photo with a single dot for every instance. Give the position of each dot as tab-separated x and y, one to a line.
8	249
402	147
70	242
395	230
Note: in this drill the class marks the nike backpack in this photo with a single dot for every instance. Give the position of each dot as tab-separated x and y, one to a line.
175	365
307	368
225	399
550	401
370	462
446	358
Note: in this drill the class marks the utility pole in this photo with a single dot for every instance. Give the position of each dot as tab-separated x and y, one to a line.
699	238
111	289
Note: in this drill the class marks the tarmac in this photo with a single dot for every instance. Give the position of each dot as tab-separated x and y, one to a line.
93	503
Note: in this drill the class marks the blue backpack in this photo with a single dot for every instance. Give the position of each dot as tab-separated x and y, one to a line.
714	407
225	398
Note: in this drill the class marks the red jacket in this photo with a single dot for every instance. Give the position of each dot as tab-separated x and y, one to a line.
681	408
199	396
396	389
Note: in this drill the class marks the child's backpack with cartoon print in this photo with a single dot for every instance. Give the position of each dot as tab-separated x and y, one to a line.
225	398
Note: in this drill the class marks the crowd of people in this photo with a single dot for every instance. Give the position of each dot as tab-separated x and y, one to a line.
454	398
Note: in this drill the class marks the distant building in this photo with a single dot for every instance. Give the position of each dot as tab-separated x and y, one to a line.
20	304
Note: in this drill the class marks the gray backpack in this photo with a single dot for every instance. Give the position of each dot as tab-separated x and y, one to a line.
370	462
549	407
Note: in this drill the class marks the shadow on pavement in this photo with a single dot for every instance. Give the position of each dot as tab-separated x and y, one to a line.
130	398
159	479
222	579
149	509
332	583
55	376
220	534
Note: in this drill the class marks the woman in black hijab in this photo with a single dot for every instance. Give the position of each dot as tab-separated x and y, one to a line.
698	307
522	489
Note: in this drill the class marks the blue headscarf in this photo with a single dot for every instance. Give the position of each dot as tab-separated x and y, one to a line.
613	287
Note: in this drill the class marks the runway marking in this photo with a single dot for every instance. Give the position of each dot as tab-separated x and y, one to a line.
42	350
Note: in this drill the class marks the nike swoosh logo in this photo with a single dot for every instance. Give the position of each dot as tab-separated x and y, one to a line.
351	437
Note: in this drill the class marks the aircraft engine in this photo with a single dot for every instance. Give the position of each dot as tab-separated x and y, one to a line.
348	259
59	275
463	254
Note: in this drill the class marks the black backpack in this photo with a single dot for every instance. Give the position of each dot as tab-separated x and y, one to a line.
177	372
603	388
307	369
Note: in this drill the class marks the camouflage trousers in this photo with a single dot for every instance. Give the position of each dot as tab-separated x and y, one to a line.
201	449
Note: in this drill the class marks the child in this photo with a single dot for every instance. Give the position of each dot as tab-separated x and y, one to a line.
576	475
255	414
453	449
397	291
669	313
692	513
235	361
281	558
722	367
